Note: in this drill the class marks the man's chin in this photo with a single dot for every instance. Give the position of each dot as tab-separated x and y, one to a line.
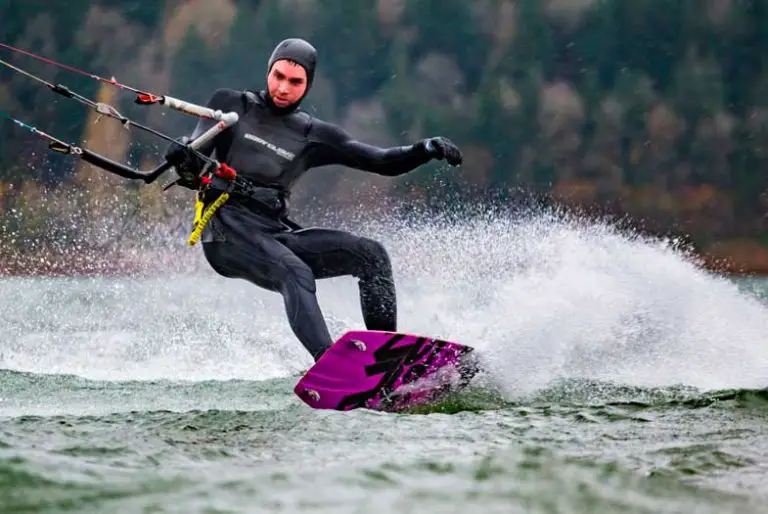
281	103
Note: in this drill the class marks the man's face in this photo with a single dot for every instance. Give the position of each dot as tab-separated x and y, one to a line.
286	82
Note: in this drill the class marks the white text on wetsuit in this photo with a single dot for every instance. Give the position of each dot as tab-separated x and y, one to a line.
285	154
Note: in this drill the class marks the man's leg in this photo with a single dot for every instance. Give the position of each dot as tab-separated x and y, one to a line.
265	262
333	253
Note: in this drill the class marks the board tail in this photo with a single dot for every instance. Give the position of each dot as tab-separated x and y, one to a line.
385	371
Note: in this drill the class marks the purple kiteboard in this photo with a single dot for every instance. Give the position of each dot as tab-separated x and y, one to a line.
385	371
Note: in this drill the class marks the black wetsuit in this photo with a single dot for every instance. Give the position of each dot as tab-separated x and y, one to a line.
251	238
246	240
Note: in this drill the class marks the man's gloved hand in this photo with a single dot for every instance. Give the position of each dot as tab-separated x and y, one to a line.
188	165
178	154
443	148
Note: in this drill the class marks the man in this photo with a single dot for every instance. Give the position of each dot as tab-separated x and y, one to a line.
273	144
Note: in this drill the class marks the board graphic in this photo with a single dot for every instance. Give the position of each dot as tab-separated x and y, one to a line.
386	371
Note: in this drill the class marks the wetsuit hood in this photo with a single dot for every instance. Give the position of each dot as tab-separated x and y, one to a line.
303	54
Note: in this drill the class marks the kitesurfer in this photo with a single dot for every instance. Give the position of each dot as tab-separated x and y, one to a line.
272	145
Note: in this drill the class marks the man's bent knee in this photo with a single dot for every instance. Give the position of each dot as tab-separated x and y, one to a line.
375	257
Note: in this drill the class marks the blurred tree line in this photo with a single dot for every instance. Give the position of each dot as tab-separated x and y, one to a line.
653	108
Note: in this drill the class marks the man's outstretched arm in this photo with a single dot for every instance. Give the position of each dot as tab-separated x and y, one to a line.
335	146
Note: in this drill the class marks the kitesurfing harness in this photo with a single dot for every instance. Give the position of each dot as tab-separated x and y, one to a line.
221	185
213	175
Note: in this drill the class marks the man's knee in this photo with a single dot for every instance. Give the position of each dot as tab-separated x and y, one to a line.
376	260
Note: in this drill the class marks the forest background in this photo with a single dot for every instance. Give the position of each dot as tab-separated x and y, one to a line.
651	110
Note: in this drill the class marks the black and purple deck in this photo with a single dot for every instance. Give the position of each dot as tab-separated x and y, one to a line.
385	371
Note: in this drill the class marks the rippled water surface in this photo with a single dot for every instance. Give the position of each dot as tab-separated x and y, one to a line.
618	378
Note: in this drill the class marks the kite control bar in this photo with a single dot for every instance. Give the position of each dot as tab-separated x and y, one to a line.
223	120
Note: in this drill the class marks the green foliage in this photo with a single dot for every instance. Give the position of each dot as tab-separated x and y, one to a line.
352	49
448	26
700	61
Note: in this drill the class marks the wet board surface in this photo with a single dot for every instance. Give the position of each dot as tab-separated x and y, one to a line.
385	371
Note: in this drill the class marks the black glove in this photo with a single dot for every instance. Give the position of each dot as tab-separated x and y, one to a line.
443	148
177	154
187	163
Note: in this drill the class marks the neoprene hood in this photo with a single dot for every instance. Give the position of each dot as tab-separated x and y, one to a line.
298	51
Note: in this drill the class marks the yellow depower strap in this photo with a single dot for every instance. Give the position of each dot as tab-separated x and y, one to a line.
198	209
202	218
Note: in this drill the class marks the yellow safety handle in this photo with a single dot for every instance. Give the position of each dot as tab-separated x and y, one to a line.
201	220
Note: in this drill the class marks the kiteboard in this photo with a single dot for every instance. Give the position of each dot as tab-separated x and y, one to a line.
386	371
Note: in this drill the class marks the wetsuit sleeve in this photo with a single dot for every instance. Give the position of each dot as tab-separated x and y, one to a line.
225	100
333	145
